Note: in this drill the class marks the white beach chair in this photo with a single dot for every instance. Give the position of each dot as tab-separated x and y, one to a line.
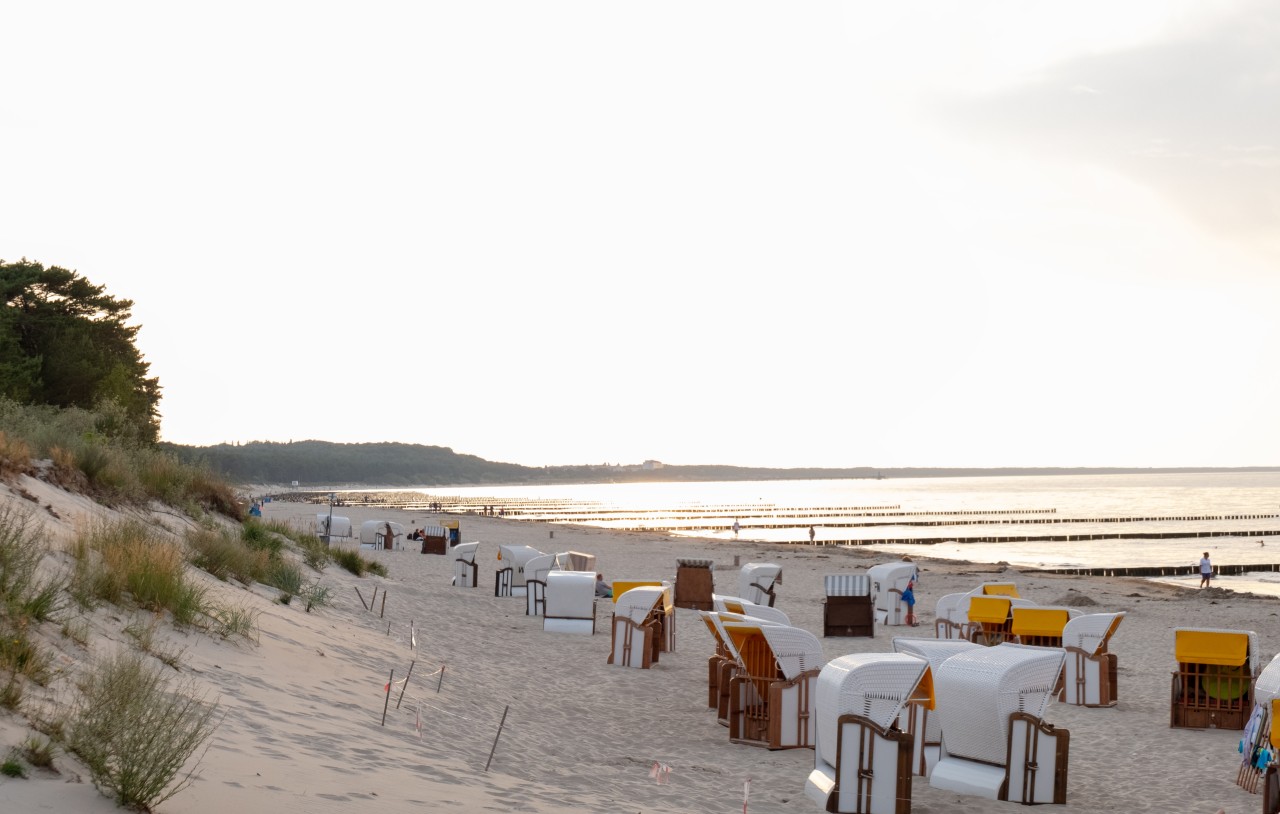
570	602
1091	671
509	580
535	583
847	609
920	719
465	569
637	617
770	697
888	581
995	743
1213	680
861	759
757	582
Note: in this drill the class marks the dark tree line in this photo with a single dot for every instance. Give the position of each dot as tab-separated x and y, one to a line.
65	342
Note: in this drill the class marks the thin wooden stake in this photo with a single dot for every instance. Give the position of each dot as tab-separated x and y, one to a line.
441	681
373	600
362	602
384	605
388	628
495	737
388	701
406	684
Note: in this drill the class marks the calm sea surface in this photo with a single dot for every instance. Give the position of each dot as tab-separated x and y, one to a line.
1061	521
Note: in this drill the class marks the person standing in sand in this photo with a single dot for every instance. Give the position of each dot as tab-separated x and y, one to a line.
736	527
1206	570
811	535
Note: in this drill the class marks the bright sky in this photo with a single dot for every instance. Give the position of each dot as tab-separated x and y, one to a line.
990	233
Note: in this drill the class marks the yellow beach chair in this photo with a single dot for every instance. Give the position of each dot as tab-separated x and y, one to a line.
1213	683
1039	626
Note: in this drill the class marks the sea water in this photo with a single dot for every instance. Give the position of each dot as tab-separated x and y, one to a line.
1235	516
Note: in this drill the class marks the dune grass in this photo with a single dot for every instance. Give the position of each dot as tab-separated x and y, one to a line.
135	731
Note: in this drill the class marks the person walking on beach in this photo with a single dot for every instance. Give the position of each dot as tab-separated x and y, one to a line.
1206	570
736	528
811	535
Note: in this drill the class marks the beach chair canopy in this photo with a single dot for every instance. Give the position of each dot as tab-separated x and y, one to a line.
1091	631
998	589
337	526
538	567
516	557
891	575
847	584
372	531
796	649
575	561
637	603
1226	648
977	690
736	604
873	685
1267	687
992	610
756	579
934	651
466	551
621	586
1039	621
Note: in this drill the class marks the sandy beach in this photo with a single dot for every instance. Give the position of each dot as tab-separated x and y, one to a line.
304	706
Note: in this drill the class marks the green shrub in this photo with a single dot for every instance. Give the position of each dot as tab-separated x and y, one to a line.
350	560
260	538
135	732
317	596
12	766
11	692
226	557
23	593
314	553
233	622
129	559
20	655
285	576
39	752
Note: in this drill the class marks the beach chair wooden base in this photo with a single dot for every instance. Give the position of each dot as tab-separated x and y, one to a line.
1209	696
848	616
535	597
502	580
728	669
780	719
435	545
694	586
1090	680
872	774
633	644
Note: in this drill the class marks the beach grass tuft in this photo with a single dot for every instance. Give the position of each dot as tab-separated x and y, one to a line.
135	731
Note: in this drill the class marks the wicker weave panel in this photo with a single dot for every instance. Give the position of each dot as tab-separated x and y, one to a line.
977	690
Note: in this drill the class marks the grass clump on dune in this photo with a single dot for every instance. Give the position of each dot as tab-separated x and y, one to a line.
128	560
136	732
356	564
